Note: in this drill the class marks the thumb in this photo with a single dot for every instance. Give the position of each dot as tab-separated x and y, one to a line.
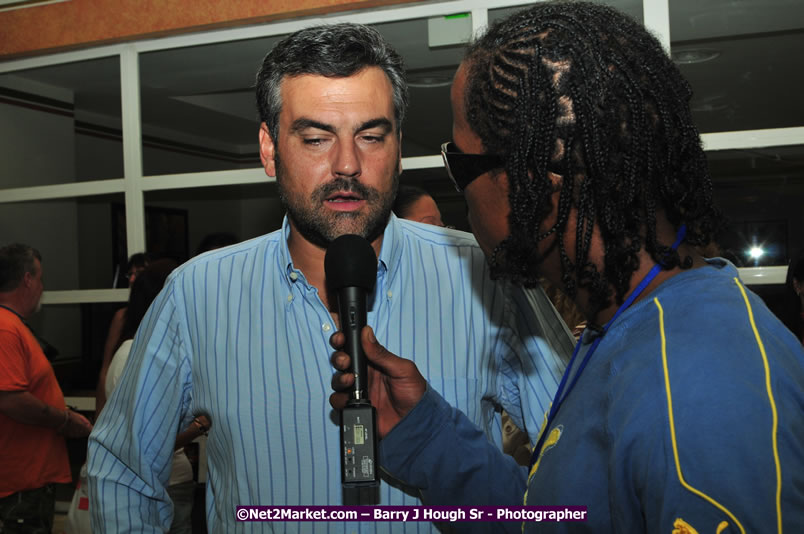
375	352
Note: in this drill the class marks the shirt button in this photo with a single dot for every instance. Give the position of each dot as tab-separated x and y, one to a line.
290	298
389	293
294	276
325	327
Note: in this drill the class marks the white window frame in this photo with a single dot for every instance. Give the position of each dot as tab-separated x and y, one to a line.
133	184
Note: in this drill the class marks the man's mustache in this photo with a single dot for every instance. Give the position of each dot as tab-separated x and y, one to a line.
344	185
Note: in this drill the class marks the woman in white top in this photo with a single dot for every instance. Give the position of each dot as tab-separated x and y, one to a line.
180	486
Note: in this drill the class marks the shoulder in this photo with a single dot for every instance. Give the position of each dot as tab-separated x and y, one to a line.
9	321
439	250
435	236
698	356
118	364
119	318
15	337
226	260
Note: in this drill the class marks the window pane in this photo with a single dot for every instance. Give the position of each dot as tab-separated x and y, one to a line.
430	70
760	192
75	236
242	211
742	61
78	333
74	111
198	107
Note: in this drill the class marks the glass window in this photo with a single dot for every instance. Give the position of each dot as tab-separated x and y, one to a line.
60	326
72	109
199	112
242	211
760	192
76	236
76	334
740	59
198	107
429	70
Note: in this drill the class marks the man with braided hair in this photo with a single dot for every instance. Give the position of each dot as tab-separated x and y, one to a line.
682	409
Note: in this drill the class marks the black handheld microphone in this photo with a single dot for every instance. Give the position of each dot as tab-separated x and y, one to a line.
350	266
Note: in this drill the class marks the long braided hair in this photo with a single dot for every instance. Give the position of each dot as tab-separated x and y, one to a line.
580	99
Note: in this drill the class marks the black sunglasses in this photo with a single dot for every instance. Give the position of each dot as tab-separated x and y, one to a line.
464	168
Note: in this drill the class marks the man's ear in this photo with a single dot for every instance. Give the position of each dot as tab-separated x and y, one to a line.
267	151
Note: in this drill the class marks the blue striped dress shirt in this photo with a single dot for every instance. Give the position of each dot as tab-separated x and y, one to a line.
239	334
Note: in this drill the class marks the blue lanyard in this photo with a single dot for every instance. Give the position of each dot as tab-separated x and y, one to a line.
558	399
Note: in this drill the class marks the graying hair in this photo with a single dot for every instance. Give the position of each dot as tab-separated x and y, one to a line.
334	51
16	259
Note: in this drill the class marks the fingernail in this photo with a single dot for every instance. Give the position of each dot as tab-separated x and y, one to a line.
371	336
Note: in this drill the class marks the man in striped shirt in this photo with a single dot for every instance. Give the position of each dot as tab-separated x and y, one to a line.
241	334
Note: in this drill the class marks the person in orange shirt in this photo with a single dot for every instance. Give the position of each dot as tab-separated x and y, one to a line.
33	417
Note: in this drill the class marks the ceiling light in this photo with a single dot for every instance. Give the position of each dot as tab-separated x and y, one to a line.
755	252
689	56
427	81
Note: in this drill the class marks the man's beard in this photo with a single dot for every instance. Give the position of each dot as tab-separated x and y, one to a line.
321	226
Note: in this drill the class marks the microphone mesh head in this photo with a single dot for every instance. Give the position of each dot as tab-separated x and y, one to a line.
350	262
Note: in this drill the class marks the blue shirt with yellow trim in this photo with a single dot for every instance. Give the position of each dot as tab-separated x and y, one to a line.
689	418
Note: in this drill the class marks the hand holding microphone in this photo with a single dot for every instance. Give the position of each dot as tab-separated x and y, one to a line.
350	266
395	384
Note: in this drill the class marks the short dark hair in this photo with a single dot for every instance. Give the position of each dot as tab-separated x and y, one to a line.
578	90
216	240
143	292
406	196
16	259
139	260
334	51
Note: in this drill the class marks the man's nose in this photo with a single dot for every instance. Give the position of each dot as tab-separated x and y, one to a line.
347	160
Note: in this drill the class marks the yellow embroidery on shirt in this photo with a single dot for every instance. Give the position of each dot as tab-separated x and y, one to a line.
549	443
682	527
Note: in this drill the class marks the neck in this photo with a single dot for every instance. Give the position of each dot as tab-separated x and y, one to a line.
309	259
646	263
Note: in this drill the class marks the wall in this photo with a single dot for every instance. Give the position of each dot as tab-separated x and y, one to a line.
81	23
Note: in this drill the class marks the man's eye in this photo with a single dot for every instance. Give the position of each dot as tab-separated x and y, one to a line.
373	138
313	141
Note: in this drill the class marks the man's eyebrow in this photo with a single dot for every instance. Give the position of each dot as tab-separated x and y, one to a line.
381	122
304	123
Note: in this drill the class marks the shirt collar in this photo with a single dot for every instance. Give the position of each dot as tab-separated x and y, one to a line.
284	252
392	247
20	317
390	252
